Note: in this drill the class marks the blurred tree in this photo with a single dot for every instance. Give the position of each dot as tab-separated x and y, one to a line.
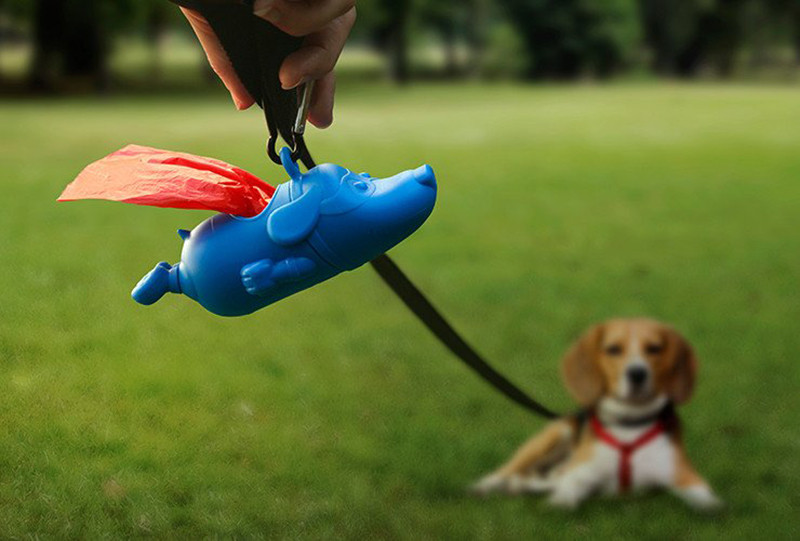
449	19
551	38
19	10
672	30
2	38
48	28
568	38
386	22
13	14
685	35
70	44
789	12
760	25
72	40
725	26
480	12
795	18
155	18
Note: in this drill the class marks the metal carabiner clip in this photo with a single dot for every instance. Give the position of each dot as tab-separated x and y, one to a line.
298	130
302	111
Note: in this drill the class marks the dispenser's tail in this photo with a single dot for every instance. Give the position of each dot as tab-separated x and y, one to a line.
164	278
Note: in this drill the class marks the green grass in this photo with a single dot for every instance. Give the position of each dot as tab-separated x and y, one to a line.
335	414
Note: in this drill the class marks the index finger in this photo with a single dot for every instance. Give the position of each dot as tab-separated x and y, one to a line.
218	59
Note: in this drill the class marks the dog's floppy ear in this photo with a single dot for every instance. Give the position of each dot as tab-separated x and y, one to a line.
294	222
680	384
579	367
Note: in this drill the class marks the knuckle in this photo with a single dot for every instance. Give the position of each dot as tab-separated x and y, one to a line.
327	63
321	60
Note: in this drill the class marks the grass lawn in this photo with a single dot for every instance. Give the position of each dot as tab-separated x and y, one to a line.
334	413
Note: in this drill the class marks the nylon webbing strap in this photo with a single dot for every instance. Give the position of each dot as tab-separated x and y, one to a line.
438	325
254	47
256	50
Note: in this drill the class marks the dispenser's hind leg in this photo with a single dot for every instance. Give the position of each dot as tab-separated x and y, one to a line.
162	279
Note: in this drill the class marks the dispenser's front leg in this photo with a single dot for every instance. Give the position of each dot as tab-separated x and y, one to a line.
260	277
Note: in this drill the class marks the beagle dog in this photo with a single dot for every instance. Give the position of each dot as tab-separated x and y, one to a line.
628	375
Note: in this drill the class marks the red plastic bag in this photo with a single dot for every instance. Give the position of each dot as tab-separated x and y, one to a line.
159	178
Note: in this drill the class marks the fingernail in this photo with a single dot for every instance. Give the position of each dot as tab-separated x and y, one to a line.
301	82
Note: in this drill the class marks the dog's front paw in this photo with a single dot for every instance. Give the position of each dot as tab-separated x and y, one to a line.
536	485
566	498
491	484
701	498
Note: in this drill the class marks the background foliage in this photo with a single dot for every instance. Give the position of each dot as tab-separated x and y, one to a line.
72	40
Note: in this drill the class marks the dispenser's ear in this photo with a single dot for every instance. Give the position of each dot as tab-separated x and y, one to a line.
289	164
295	221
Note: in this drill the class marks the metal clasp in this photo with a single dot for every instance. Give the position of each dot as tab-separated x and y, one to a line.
302	111
298	130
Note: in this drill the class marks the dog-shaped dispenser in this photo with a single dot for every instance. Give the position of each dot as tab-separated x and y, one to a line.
266	244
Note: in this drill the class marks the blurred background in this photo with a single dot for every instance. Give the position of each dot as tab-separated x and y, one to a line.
596	158
57	46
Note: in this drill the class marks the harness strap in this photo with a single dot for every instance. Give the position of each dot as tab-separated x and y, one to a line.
256	50
625	450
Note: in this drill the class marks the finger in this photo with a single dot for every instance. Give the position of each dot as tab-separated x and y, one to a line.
319	53
320	113
218	59
301	17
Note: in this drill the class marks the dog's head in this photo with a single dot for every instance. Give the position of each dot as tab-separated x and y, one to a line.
634	361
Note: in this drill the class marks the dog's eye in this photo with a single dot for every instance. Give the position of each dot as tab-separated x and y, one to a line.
654	349
614	350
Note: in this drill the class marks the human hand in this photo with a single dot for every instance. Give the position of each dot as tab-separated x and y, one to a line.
325	24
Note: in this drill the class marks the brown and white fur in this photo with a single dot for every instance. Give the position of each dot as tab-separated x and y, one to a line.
626	372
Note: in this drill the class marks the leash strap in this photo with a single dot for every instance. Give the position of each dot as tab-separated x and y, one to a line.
416	301
254	48
257	60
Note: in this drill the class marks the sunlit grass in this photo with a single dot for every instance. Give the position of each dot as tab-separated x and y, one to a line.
334	414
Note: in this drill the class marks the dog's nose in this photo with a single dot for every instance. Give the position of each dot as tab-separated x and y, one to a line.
637	375
425	176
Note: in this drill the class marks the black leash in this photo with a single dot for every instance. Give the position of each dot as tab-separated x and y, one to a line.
438	325
257	67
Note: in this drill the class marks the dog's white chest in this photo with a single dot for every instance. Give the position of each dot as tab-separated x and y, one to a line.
651	465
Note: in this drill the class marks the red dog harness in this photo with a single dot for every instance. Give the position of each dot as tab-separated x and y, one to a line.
626	450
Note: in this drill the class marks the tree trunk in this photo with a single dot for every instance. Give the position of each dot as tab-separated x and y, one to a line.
796	33
398	43
760	26
729	36
70	46
48	40
156	34
450	51
476	36
656	27
86	50
2	42
690	59
157	30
